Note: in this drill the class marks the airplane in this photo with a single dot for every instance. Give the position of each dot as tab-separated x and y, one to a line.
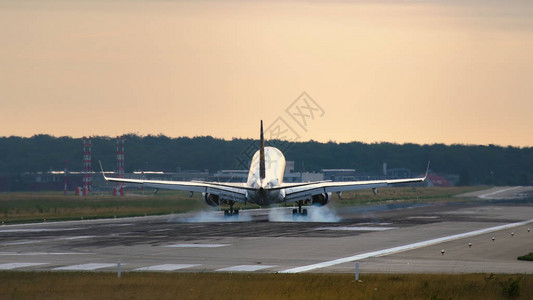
265	185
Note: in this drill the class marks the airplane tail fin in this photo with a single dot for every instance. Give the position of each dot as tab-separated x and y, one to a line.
262	154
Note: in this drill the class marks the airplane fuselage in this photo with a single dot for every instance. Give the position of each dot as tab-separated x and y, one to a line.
262	193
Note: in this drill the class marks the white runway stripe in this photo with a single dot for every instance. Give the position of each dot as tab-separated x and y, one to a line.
484	196
20	243
357	228
245	268
36	230
84	267
10	266
78	237
38	253
197	245
402	248
166	267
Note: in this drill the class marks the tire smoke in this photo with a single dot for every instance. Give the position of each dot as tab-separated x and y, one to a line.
316	214
210	217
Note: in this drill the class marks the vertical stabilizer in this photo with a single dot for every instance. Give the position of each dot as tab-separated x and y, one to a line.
262	155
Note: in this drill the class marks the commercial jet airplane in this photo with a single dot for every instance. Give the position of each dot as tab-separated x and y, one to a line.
265	185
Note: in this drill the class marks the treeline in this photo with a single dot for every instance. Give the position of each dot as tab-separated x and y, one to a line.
494	165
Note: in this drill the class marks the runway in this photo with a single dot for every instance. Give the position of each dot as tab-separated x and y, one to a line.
383	239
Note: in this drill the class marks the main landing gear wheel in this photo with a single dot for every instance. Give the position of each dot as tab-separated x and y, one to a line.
231	212
299	211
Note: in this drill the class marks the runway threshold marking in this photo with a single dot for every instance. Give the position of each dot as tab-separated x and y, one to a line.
245	268
402	248
10	266
84	267
167	267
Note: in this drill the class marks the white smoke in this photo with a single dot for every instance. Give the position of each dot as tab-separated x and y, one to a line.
314	214
210	217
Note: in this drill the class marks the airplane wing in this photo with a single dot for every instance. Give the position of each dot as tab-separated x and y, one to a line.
306	192
235	192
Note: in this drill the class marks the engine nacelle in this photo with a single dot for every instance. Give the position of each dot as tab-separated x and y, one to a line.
320	199
211	200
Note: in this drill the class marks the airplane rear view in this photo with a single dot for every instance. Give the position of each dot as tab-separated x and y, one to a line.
265	185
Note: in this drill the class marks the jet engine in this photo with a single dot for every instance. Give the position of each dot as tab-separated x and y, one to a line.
211	200
320	199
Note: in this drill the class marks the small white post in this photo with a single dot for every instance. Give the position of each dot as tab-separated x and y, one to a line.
118	269
356	271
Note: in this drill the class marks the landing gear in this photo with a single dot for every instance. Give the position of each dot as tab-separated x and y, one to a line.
299	211
231	212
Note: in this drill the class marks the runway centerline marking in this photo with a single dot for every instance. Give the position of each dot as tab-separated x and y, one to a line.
245	268
167	267
85	267
402	248
197	245
10	266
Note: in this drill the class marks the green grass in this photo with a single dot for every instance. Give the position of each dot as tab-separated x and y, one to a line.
35	207
528	257
88	285
38	206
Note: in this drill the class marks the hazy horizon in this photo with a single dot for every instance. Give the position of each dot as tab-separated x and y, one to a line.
425	72
257	139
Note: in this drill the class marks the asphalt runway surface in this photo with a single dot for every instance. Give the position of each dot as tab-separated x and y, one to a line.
455	237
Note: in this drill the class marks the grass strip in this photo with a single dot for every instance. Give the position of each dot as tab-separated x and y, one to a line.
145	285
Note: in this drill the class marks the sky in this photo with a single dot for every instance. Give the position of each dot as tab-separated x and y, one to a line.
371	71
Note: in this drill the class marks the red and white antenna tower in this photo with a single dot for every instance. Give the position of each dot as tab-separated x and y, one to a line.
120	162
87	168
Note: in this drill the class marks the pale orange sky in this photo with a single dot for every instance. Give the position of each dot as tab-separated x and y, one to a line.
394	71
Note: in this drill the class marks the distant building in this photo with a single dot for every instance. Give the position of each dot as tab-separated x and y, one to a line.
181	175
398	173
40	181
339	174
386	173
308	177
230	176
